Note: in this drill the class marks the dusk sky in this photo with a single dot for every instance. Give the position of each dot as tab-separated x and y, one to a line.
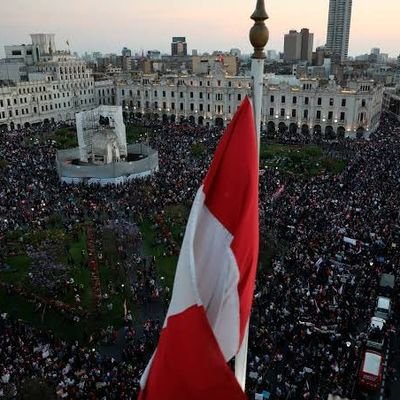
208	25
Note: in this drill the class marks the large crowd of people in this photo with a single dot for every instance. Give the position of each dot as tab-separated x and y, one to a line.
336	235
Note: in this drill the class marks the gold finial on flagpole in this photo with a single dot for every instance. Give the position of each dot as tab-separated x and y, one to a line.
259	33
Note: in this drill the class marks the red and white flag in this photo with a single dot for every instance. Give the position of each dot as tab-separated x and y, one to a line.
215	277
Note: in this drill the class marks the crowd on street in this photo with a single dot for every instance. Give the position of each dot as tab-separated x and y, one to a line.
329	238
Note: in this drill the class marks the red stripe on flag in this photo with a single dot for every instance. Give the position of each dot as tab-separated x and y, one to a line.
188	364
231	189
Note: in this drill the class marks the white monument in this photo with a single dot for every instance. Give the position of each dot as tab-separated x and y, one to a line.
103	156
101	135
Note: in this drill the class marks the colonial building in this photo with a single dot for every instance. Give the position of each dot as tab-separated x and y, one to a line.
391	101
289	103
55	85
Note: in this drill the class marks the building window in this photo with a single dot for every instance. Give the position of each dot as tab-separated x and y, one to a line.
191	95
271	112
123	92
239	97
319	101
306	100
318	114
172	94
342	116
272	99
172	106
363	103
163	93
294	100
331	102
293	113
330	115
200	95
305	114
201	106
181	95
181	106
343	102
282	112
191	107
155	93
283	99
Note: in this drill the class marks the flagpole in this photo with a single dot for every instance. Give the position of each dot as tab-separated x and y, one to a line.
258	38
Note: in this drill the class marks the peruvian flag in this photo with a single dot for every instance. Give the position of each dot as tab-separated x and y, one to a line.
215	276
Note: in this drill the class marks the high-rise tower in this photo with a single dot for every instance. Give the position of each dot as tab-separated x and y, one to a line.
339	19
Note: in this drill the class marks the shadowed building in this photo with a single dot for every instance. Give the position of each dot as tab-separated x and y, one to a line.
298	45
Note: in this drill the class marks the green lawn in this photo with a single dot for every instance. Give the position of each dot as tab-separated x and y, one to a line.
19	307
308	160
76	250
166	265
65	138
135	134
19	269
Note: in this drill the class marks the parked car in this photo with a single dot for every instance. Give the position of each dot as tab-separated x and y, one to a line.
371	371
383	308
376	333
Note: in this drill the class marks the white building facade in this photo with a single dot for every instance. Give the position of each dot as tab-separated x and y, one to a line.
289	103
54	89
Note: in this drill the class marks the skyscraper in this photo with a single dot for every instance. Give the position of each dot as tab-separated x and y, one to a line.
298	45
179	46
307	40
292	46
339	19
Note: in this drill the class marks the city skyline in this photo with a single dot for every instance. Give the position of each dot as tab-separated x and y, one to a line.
82	24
